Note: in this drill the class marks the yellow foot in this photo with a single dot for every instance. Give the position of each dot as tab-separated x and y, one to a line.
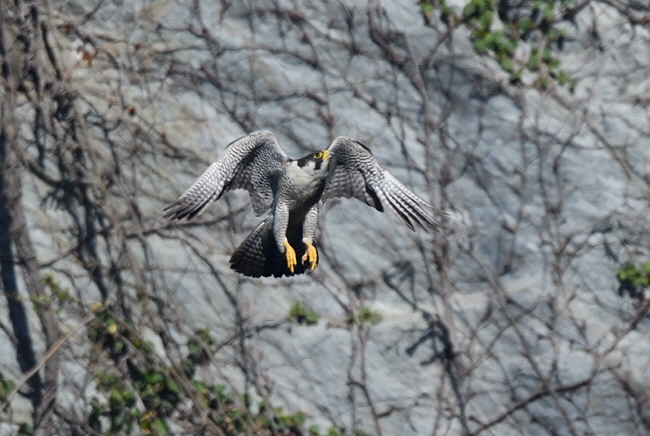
311	256
290	253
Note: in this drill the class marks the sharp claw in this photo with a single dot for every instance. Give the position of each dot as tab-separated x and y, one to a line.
290	254
311	256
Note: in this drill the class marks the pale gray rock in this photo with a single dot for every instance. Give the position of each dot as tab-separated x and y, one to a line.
513	304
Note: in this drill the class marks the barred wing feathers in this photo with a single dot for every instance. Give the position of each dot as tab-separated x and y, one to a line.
354	172
253	162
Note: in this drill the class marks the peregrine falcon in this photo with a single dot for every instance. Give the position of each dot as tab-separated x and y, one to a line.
290	192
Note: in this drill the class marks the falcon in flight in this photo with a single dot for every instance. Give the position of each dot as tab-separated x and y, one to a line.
290	192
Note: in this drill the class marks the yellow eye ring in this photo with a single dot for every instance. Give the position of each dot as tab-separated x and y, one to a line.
318	155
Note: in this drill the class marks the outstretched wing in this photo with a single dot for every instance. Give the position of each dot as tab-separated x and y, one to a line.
254	162
354	172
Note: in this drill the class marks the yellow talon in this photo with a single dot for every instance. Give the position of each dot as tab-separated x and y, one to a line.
290	253
311	256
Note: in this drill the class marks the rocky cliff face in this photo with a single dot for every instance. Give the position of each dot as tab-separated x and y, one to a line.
507	321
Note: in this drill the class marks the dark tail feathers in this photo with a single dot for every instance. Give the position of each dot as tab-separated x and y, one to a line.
259	255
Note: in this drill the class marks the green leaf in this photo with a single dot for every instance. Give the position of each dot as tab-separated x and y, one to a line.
6	386
448	10
285	420
547	10
504	44
554	63
480	45
299	418
118	346
333	431
117	421
302	315
159	427
469	10
367	315
25	429
296	311
543	82
312	318
171	386
506	63
485	21
533	62
628	273
526	24
485	43
116	399
554	34
129	397
155	377
427	9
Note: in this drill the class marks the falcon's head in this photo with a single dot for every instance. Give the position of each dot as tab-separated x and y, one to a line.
316	163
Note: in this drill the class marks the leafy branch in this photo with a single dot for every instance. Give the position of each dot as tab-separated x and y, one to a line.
524	39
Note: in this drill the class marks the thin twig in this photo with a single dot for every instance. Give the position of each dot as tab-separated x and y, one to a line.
51	352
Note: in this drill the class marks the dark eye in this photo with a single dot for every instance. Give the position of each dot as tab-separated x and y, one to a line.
318	155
